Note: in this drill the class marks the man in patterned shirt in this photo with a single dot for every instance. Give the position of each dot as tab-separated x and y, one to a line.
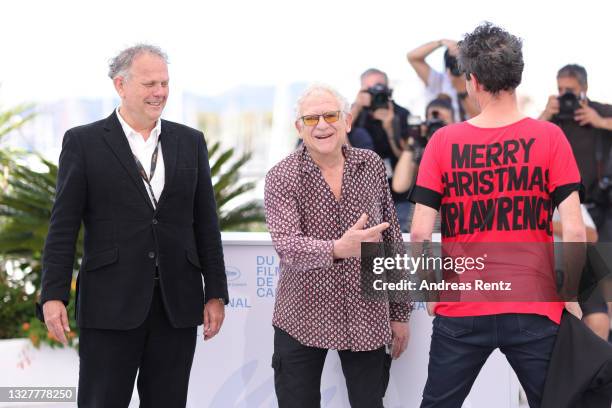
321	202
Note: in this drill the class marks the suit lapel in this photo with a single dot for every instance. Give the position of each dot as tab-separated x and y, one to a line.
118	143
169	145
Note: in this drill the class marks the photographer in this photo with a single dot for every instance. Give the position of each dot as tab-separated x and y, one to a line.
438	114
587	125
379	124
450	82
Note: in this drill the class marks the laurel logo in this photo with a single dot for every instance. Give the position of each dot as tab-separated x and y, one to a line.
232	273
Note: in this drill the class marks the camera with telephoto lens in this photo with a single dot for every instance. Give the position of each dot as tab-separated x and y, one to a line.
421	132
568	103
450	62
380	96
433	124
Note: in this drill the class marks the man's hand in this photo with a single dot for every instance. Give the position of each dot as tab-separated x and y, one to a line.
385	115
431	307
349	245
214	313
574	308
587	116
552	108
401	335
363	99
451	45
56	319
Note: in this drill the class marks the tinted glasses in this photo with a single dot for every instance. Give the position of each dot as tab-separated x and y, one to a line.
329	117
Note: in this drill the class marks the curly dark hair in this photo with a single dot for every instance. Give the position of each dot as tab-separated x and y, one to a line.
494	56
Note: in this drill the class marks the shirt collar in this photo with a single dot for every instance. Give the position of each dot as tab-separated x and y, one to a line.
130	133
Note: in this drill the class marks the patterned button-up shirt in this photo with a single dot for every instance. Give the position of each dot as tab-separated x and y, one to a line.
318	299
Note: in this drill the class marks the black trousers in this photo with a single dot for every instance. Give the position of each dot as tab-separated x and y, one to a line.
159	353
298	369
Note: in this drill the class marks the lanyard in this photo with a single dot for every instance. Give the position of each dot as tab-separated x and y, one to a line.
143	174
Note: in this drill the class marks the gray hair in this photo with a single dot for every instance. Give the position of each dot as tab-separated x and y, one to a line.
374	71
120	65
574	71
343	104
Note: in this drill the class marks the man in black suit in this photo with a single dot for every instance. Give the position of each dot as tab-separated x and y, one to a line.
141	187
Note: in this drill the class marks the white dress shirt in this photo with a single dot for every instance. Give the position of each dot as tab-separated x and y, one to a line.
143	150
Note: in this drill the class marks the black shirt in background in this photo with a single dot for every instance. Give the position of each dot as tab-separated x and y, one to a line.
381	141
591	146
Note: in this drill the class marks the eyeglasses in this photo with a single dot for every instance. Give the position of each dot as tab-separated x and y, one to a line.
313	120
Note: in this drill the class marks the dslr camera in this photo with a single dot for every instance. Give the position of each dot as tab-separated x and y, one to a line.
450	62
421	132
568	103
380	96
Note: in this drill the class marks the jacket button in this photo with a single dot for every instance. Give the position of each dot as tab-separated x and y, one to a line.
151	254
154	221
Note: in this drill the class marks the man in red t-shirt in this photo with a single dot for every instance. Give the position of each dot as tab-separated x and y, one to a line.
495	178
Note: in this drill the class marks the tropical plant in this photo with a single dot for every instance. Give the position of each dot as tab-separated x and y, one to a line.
25	207
16	306
227	187
17	294
13	118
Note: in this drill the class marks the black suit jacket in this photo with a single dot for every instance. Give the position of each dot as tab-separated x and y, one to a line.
98	184
580	369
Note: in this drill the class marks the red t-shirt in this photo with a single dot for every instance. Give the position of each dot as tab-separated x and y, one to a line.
528	163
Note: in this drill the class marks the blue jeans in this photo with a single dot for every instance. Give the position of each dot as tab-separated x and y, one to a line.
461	345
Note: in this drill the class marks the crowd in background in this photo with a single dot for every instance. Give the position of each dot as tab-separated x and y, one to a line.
399	138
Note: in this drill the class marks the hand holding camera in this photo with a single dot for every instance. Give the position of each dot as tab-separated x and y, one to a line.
585	115
384	114
377	100
420	132
451	45
568	104
551	109
363	99
571	107
380	97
